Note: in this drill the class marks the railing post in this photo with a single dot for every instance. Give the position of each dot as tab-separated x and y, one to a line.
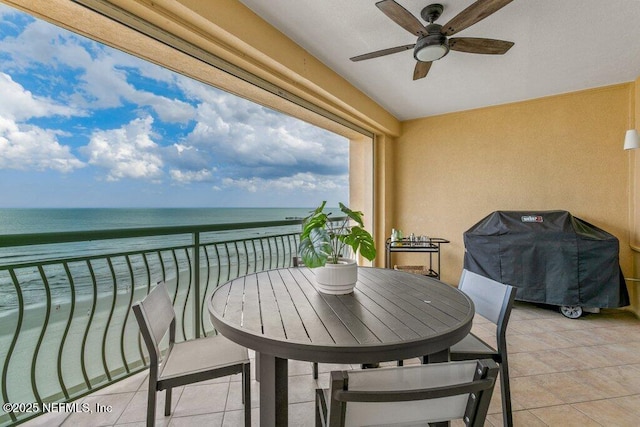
196	281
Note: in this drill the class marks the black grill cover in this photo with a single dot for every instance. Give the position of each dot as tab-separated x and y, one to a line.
552	257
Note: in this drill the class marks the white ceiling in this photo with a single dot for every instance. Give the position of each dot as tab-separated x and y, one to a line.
560	46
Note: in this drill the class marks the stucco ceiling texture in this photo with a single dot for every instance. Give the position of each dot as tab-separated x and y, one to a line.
560	46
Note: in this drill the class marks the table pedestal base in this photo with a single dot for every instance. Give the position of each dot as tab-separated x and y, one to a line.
274	390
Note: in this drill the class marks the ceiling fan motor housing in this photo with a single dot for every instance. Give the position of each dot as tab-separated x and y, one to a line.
433	46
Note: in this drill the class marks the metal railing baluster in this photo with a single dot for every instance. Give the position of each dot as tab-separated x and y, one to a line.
215	247
109	317
36	351
203	305
126	315
92	311
72	307
175	263
186	298
12	346
196	287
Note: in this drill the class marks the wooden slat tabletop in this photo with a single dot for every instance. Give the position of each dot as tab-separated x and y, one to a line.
391	315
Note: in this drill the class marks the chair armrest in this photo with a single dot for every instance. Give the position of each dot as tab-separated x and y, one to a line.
408	395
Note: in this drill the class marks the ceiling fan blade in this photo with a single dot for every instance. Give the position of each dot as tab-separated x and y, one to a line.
474	13
402	17
479	45
421	70
383	52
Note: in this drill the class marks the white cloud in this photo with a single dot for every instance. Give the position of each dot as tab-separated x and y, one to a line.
185	177
102	73
301	182
127	152
19	104
25	147
262	141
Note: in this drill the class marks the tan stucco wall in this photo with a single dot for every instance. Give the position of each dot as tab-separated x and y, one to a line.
634	197
561	152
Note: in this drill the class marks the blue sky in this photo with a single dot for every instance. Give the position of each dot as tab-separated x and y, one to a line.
84	125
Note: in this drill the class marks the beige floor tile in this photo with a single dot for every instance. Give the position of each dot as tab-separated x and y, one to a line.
630	404
612	381
236	418
556	340
585	337
589	357
234	398
525	364
47	420
297	367
566	387
520	418
302	388
534	326
531	394
564	415
302	414
202	399
136	410
537	342
559	361
623	353
113	406
209	420
608	413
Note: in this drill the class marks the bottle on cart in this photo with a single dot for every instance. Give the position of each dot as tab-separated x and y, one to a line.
396	237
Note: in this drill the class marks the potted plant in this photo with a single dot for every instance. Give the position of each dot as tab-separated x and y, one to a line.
323	243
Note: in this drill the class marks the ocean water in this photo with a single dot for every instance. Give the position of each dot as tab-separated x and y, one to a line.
27	221
22	221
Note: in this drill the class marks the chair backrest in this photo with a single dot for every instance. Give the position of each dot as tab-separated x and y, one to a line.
432	393
155	316
492	300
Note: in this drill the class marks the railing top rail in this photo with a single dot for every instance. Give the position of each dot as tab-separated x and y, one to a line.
12	240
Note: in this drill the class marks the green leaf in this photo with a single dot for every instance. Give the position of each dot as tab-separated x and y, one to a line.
360	239
315	248
354	215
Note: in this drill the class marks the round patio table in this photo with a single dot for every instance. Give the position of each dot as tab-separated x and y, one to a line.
391	315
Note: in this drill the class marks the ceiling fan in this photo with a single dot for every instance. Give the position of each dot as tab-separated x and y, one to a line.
433	42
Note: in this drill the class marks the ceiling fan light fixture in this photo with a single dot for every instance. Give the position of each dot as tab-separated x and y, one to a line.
431	48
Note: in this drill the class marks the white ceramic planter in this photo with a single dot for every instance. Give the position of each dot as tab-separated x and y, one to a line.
337	279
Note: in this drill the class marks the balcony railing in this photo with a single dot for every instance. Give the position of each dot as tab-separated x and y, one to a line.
66	327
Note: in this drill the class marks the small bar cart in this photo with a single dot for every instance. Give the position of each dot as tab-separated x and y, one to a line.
431	246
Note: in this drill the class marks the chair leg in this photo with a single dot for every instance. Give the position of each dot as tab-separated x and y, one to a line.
506	395
167	402
315	371
321	409
151	405
246	393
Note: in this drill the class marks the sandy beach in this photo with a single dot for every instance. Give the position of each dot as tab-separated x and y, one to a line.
48	386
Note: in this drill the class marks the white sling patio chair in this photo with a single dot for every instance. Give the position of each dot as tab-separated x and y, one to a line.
493	301
185	362
411	395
